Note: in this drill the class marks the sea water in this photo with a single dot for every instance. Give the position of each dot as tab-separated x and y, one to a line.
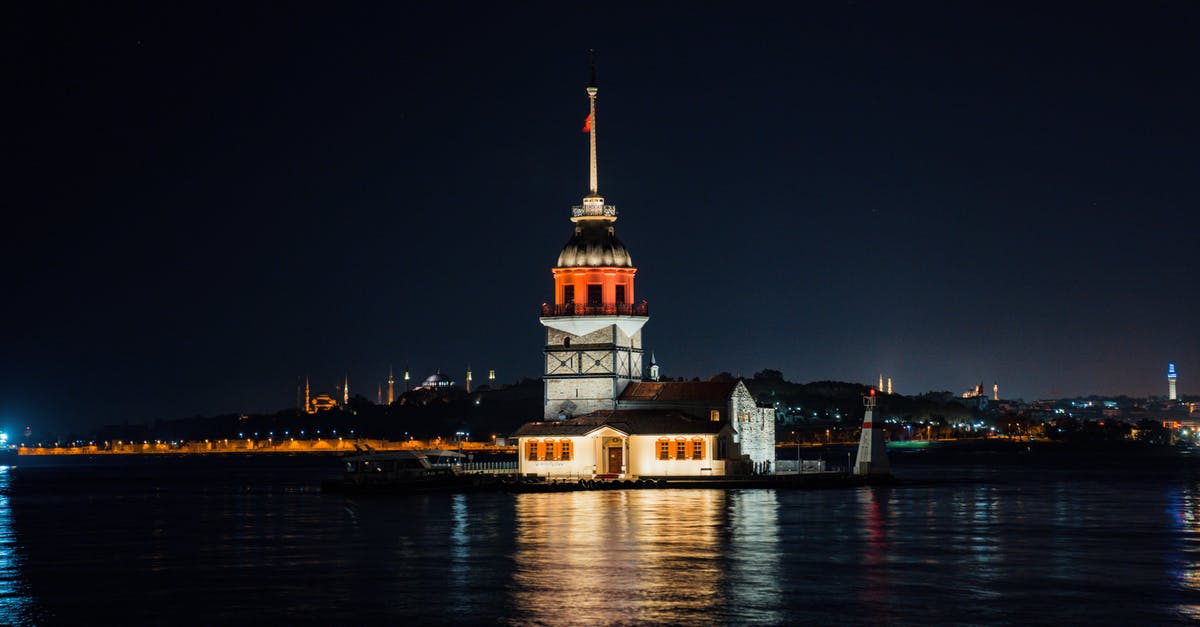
972	534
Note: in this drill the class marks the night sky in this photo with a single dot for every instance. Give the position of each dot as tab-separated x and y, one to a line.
205	203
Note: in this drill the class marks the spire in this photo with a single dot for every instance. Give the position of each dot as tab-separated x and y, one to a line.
307	403
391	382
594	183
593	207
346	389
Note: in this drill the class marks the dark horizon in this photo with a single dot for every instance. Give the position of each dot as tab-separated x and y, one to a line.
214	201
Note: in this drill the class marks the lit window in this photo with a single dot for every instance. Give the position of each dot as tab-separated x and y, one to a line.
566	450
664	449
533	451
714	415
697	449
680	449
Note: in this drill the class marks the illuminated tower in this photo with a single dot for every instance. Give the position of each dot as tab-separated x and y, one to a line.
345	389
889	386
872	452
307	401
594	326
468	378
492	378
995	391
653	367
1171	382
406	377
880	388
391	383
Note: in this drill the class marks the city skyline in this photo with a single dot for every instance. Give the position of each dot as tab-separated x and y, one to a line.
848	190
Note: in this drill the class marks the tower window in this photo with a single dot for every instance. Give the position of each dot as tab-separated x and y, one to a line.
595	295
568	294
620	294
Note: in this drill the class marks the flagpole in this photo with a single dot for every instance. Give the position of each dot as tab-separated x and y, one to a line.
591	90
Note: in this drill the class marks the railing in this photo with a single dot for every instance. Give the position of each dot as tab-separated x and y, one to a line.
607	211
790	466
580	309
491	468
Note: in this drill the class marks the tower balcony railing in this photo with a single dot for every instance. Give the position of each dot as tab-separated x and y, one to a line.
554	310
607	211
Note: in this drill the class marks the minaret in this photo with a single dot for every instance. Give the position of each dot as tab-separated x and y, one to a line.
391	383
594	327
995	391
1171	382
492	378
406	377
872	457
468	378
346	389
889	386
307	403
653	367
880	388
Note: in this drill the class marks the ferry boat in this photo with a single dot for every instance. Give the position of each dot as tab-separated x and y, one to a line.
398	472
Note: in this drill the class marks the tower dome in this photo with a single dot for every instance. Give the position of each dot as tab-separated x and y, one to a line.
594	245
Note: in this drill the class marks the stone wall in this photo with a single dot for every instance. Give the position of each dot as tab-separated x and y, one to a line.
754	427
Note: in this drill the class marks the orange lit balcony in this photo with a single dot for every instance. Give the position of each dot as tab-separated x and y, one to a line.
610	309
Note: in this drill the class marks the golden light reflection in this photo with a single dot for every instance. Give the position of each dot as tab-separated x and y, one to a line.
642	556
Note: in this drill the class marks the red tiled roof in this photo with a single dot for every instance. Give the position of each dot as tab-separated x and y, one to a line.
678	391
629	421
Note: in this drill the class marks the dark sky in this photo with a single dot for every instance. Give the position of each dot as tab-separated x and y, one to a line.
206	202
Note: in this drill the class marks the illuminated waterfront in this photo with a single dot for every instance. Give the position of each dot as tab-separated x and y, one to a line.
977	534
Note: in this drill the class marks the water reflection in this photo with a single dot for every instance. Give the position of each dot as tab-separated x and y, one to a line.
645	556
1185	514
14	597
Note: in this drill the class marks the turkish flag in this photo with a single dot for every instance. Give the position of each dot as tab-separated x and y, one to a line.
587	124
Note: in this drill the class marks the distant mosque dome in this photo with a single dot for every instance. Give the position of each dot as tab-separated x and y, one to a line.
594	245
437	380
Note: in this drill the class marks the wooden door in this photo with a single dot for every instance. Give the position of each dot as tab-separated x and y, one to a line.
615	459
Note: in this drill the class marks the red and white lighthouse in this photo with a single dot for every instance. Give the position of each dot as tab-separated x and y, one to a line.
872	457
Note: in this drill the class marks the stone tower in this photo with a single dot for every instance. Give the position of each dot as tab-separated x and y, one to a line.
594	327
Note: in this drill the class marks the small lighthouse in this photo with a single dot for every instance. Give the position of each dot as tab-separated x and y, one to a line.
872	458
